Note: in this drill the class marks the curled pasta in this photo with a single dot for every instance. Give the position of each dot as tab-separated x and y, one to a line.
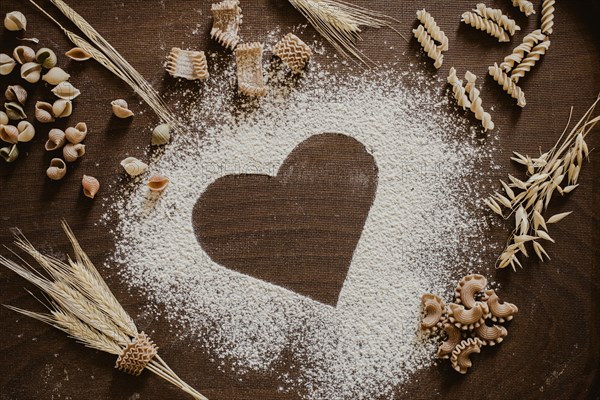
533	57
521	50
458	90
433	29
485	25
476	107
497	16
525	6
547	16
429	46
508	85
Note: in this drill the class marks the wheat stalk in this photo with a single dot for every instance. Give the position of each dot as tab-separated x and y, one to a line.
80	304
111	59
340	23
556	171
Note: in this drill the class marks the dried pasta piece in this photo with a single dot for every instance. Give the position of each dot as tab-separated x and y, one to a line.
476	107
458	90
434	308
533	57
467	318
485	25
467	289
548	16
491	335
508	85
460	358
496	15
227	17
453	338
500	311
248	57
525	6
429	46
293	51
187	64
433	29
521	50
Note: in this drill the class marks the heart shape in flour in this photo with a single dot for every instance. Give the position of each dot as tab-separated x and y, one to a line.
298	229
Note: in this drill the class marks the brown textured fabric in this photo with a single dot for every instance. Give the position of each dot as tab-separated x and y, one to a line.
553	346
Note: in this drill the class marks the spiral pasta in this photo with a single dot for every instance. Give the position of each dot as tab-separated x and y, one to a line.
533	57
433	29
486	25
497	16
458	90
476	107
525	6
548	16
429	46
508	85
521	50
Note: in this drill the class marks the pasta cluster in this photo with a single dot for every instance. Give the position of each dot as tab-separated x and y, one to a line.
534	56
468	97
521	50
427	34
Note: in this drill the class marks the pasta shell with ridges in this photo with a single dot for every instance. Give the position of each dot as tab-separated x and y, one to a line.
43	112
16	93
65	90
71	152
7	64
56	140
491	335
90	186
78	54
453	338
500	311
46	57
158	183
77	133
9	134
55	76
26	131
23	54
161	134
467	289
3	118
15	21
121	109
62	108
57	169
133	166
9	154
31	72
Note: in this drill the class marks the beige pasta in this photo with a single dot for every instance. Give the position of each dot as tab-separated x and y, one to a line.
429	46
248	57
485	25
227	17
458	90
187	64
521	50
476	107
525	6
548	16
508	85
293	51
532	58
460	358
434	310
433	29
498	17
453	338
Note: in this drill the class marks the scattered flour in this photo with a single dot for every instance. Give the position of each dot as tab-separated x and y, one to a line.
422	232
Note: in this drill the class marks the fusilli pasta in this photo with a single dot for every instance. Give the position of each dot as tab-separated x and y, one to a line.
547	16
521	50
486	25
476	107
534	56
507	84
525	6
433	29
429	46
458	90
497	16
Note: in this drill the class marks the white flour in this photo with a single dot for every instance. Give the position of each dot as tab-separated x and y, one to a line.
424	219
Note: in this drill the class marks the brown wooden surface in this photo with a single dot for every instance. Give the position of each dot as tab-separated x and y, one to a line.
553	348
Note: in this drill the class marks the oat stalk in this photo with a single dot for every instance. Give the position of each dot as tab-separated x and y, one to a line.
103	52
80	304
556	171
340	23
